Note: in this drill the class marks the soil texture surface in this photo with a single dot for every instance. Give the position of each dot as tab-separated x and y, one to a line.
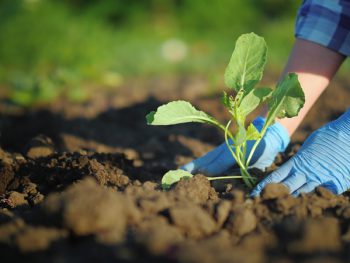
81	183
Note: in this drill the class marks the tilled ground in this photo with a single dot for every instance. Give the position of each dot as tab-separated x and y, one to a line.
80	183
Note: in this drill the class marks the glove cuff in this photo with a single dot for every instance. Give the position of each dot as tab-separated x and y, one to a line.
343	122
277	131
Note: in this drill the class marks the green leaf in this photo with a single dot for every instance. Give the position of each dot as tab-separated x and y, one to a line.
247	62
174	176
253	99
241	134
252	133
287	99
227	100
176	112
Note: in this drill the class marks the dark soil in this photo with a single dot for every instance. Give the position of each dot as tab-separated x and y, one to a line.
81	183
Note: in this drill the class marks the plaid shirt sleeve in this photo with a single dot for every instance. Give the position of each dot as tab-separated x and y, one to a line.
326	22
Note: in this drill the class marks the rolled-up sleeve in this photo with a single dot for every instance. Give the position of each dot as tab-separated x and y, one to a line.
325	22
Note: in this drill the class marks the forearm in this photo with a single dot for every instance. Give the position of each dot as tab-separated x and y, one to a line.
315	66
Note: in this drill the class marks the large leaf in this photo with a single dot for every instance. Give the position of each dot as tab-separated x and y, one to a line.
174	176
247	62
287	99
253	99
176	112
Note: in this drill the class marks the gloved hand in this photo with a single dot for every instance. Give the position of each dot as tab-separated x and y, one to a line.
220	160
324	159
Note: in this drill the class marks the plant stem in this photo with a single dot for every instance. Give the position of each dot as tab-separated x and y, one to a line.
227	142
225	177
262	133
245	175
269	120
239	155
222	127
244	152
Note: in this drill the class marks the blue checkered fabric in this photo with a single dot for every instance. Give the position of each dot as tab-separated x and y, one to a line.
326	22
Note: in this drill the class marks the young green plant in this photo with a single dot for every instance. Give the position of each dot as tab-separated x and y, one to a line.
242	75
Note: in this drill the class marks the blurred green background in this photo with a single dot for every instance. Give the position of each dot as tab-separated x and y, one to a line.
50	47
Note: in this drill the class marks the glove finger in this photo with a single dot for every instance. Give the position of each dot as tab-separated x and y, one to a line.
306	188
259	123
189	167
294	181
234	170
220	165
331	186
275	177
200	163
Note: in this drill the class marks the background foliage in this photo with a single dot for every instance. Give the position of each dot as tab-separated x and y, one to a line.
52	46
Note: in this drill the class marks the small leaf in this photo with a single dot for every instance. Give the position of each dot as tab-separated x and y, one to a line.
176	112
226	100
247	62
252	133
174	176
287	99
253	99
241	134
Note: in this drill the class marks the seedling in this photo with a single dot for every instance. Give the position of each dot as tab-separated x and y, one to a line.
242	75
174	176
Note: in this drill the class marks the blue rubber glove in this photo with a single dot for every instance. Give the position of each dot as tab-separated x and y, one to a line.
220	160
323	160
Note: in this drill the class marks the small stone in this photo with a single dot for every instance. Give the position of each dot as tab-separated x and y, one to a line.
137	183
37	152
149	185
30	189
40	146
36	199
15	199
228	188
131	154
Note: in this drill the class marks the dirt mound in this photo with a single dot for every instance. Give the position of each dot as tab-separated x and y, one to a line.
57	171
140	222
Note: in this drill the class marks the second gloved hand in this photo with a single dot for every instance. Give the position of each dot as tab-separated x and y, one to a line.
220	160
323	160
